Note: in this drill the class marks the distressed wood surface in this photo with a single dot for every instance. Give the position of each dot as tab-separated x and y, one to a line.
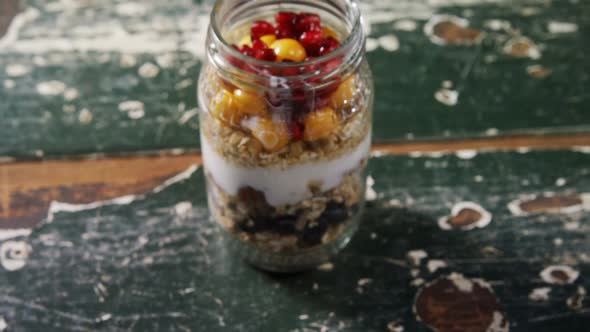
157	263
124	80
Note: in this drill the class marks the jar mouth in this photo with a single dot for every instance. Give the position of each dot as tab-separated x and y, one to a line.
351	12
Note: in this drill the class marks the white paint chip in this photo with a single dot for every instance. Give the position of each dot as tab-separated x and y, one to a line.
85	116
562	27
326	267
405	25
3	324
148	70
540	294
434	264
389	43
364	281
416	256
559	274
14	255
497	25
17	70
557	241
9	84
447	96
51	88
370	193
466	154
303	317
463	284
127	61
372	44
560	182
395	326
183	209
492	132
71	94
131	9
484	219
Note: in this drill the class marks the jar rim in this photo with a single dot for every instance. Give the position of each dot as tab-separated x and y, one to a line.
345	47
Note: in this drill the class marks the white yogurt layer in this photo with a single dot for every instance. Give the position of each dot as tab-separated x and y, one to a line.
282	185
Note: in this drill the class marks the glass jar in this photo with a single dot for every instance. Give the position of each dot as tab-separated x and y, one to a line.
285	145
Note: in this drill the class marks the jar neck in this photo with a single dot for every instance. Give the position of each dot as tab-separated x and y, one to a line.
231	17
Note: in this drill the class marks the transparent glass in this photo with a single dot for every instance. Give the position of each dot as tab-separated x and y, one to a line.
285	145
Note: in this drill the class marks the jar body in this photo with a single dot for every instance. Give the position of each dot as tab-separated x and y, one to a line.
285	163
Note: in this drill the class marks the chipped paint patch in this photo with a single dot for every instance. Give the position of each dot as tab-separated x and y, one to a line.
549	202
395	326
405	25
71	94
127	61
6	234
435	264
85	116
3	324
451	30
562	27
522	47
370	193
492	132
559	274
466	216
371	44
9	84
466	154
14	255
134	109
576	301
364	281
416	256
183	209
51	88
447	96
540	294
148	70
17	70
538	71
389	43
326	267
457	303
498	25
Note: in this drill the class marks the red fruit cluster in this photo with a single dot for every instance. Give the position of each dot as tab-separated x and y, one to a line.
303	27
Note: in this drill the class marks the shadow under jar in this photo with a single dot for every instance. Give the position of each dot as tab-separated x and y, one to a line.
285	144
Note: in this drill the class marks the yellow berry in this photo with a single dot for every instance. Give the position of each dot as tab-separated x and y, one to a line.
246	40
288	49
268	39
330	33
344	94
319	124
272	135
248	103
224	108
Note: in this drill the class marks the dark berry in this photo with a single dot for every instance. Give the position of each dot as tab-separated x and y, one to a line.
284	225
313	233
312	41
335	213
286	31
286	18
308	23
261	28
296	131
328	45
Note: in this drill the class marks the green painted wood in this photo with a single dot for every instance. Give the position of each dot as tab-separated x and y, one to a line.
56	42
152	266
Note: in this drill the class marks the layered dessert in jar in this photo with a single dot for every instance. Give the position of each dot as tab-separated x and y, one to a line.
285	136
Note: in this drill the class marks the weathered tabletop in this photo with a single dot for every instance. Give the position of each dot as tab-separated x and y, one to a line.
461	234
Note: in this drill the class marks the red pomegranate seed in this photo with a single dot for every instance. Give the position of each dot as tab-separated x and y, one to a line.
312	41
296	131
328	45
286	18
308	23
285	31
258	45
261	28
247	50
266	54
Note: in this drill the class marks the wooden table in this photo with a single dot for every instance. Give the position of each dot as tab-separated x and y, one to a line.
479	215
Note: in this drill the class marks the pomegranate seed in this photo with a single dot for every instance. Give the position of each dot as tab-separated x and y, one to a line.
259	45
312	41
329	45
296	131
308	23
261	28
285	31
286	18
266	54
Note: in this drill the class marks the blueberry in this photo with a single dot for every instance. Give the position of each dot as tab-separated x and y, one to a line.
283	224
335	213
313	232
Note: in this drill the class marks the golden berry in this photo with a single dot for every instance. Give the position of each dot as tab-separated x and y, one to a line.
319	124
246	40
288	49
224	108
268	39
344	95
249	103
272	135
329	33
